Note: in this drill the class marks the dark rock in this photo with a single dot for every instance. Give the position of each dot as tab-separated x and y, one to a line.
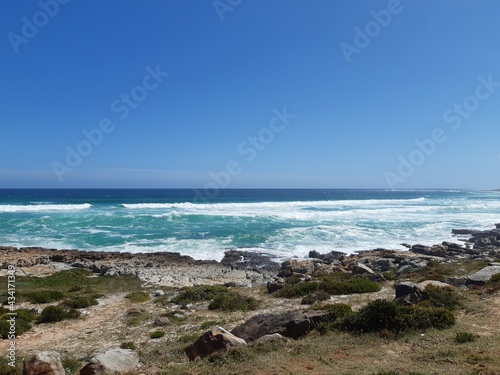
483	276
404	270
211	341
293	325
408	293
383	264
274	286
328	258
247	260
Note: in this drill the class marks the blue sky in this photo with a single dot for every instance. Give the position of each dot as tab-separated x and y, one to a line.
370	94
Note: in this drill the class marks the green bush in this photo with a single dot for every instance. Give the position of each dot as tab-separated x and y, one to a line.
56	314
340	283
127	345
336	315
381	315
80	302
292	280
435	296
464	337
45	296
71	365
198	293
495	279
137	297
157	334
76	288
297	290
233	302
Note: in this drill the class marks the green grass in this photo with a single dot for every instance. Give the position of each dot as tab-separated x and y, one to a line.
462	337
52	314
127	345
80	302
198	294
44	296
22	322
340	284
71	365
446	297
157	334
138	297
297	290
232	301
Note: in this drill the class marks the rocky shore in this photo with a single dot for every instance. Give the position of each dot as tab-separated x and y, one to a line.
281	321
249	269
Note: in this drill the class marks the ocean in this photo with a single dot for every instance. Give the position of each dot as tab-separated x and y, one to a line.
280	222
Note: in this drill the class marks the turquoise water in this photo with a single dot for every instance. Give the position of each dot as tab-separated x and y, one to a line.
281	222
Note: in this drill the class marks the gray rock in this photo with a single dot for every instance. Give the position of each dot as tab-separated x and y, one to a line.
383	264
43	363
293	324
113	362
404	270
455	281
361	269
161	321
159	293
435	283
483	276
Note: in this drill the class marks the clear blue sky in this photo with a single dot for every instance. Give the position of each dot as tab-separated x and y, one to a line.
431	71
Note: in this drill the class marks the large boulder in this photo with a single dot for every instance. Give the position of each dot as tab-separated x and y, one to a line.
292	325
43	363
211	341
408	293
113	362
483	276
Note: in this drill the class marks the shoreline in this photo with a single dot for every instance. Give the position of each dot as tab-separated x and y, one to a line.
240	267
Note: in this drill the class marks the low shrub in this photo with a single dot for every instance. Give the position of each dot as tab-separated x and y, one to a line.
137	297
336	315
157	334
230	301
71	365
464	337
198	293
339	283
314	297
127	345
297	290
381	315
495	279
45	296
56	314
80	302
446	297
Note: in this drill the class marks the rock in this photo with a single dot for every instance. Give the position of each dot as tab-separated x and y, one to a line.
113	362
298	266
292	325
212	341
483	276
247	260
159	293
455	281
43	363
271	337
404	270
361	269
383	264
328	258
426	283
161	321
408	293
134	311
274	286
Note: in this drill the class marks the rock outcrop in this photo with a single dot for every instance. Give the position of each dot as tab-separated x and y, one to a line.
43	363
113	362
211	341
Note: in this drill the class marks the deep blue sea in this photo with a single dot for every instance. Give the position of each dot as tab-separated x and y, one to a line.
282	222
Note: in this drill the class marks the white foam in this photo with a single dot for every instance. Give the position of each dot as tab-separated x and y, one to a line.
43	207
